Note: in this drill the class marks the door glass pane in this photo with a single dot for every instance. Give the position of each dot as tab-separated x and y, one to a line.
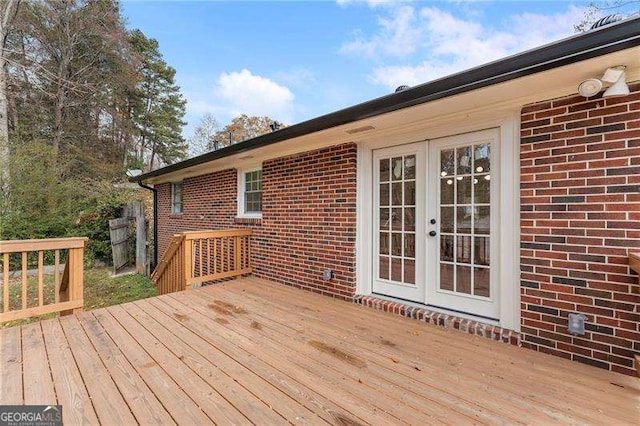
384	170
396	219
384	194
396	243
482	188
463	249
463	160
410	167
463	223
447	166
410	271
396	194
396	168
446	276
463	279
446	219
482	252
384	218
446	248
463	189
396	269
397	249
446	190
410	193
482	157
409	245
481	282
384	243
465	219
410	219
383	267
481	219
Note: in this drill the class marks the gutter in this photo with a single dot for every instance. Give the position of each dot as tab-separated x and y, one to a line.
155	222
623	35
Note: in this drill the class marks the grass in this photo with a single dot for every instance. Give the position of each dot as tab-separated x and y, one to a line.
100	290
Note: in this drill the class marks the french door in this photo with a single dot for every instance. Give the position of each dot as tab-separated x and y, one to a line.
398	199
435	205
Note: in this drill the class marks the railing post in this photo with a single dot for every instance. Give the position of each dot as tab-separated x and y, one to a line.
238	255
188	261
77	281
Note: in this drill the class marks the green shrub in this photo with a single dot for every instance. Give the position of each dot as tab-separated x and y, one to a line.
44	202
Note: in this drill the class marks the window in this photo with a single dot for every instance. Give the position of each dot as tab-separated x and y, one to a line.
250	193
176	198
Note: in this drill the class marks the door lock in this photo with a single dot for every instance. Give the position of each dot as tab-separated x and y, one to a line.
432	221
432	233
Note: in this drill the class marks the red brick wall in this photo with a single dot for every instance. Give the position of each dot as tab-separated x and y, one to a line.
580	215
308	219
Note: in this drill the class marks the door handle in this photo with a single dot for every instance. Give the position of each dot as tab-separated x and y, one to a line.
432	233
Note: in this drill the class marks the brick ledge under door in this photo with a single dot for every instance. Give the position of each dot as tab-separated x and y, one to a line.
441	319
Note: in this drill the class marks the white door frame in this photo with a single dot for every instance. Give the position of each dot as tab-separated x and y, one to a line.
508	273
388	287
456	301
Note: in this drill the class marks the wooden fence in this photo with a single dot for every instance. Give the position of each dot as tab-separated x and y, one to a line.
196	257
25	254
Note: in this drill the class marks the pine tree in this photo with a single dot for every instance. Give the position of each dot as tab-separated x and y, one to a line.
158	107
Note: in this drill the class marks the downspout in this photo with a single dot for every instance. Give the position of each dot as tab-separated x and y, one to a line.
155	222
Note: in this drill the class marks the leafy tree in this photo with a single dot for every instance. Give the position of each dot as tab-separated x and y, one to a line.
242	128
597	10
158	107
204	135
81	95
8	10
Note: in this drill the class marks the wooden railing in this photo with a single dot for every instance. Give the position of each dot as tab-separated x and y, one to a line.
201	256
28	257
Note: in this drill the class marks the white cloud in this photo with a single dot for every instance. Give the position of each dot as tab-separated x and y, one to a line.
371	3
245	93
238	92
399	35
242	92
433	43
298	77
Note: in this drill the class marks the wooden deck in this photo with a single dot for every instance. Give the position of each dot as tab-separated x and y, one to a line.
253	352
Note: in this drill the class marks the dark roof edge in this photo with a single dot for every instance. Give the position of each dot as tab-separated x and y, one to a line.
602	41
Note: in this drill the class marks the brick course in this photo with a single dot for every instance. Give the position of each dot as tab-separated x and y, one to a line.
308	218
580	204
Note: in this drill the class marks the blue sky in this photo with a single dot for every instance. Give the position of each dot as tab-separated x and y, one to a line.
296	60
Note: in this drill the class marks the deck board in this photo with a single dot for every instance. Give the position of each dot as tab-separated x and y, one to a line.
68	381
253	352
11	367
37	383
552	390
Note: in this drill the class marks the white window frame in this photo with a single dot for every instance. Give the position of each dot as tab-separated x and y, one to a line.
173	204
241	188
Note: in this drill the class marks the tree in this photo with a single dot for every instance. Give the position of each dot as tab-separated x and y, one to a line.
79	98
597	10
158	107
242	128
72	50
204	135
8	10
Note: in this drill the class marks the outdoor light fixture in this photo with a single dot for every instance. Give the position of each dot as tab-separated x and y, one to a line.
590	87
615	75
134	172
